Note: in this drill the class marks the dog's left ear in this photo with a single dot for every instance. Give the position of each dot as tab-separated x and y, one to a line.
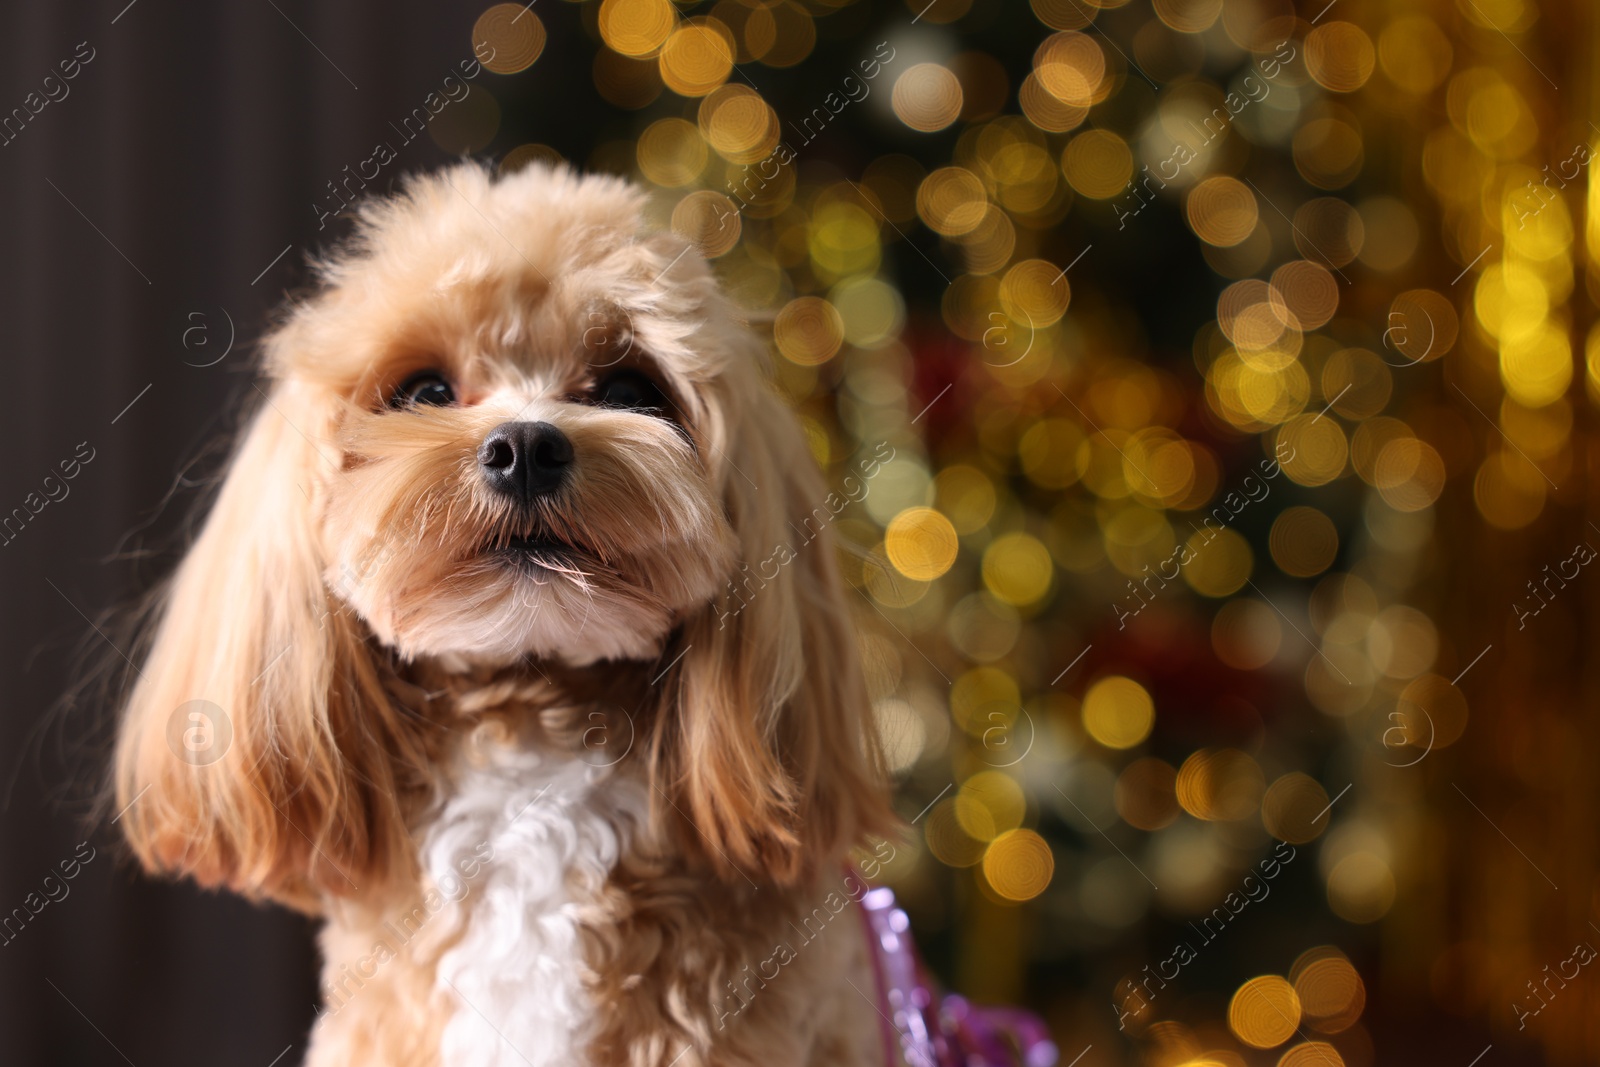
766	742
259	750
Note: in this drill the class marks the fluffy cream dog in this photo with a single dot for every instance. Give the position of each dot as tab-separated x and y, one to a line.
478	694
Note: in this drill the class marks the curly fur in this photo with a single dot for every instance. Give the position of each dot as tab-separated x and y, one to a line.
413	713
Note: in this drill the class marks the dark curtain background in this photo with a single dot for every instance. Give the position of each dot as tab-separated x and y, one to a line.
169	191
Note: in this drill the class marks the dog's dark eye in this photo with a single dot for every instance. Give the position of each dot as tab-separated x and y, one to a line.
631	390
424	387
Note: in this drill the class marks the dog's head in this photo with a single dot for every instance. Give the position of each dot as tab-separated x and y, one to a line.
512	425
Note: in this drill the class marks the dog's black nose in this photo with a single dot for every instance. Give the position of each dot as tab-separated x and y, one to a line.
525	460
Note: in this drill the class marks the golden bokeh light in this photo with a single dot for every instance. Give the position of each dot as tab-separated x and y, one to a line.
1392	232
921	543
1431	713
1357	383
1050	451
1409	473
991	803
808	330
1331	993
1047	111
1017	569
1295	808
513	35
468	126
1264	1012
927	97
1070	67
1019	865
671	152
1118	712
1304	294
1035	292
1312	1054
1509	490
982	628
984	697
1064	14
1361	888
1314	451
1222	211
1246	634
970	307
871	310
525	154
1328	153
1401	642
1327	230
1251	316
988	246
636	27
1414	53
738	124
843	240
1188	16
1220	785
1370	440
966	496
1221	563
1536	365
697	57
1097	164
952	201
947	840
1340	56
1304	542
709	221
977	694
780	34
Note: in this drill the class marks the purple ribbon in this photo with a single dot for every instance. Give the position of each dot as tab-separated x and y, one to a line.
925	1030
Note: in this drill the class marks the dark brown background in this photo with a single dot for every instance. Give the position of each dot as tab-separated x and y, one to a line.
196	140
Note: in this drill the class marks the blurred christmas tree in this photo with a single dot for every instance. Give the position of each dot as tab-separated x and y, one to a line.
1191	374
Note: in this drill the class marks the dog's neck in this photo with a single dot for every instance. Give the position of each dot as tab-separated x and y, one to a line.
548	705
528	685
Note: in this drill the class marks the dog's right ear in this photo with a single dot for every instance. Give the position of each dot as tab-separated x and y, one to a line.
259	750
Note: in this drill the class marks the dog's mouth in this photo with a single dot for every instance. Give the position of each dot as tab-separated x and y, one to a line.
541	552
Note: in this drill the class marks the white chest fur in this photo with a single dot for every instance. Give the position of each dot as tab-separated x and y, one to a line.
552	829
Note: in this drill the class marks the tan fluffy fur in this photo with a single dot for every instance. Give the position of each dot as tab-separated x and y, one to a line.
338	606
